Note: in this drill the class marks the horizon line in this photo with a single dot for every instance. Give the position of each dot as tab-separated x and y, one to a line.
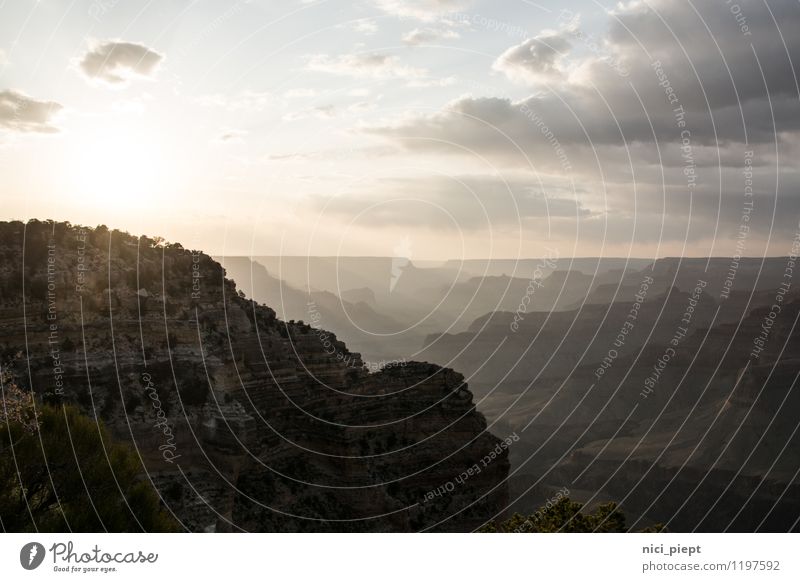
530	258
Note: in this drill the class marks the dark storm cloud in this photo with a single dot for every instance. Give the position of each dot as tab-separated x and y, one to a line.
712	44
653	120
671	56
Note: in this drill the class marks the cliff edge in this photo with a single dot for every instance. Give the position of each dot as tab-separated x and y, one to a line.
243	422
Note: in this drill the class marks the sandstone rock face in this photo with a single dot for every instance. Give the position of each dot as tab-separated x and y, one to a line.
243	422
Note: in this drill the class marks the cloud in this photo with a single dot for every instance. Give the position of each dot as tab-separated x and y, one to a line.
336	154
471	202
364	66
365	26
19	112
708	58
537	59
433	82
116	62
476	123
425	10
667	59
651	119
420	36
231	136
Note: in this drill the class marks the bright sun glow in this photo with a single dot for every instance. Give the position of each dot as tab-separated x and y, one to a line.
118	167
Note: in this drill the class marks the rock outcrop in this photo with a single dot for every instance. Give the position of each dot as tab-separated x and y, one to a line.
242	421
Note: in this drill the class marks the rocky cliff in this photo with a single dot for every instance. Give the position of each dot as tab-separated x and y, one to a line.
243	422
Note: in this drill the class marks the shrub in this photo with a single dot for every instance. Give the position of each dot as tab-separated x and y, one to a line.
68	475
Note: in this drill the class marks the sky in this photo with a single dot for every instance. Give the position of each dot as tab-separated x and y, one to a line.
435	129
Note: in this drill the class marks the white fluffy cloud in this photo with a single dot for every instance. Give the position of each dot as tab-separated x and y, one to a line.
19	112
537	59
116	62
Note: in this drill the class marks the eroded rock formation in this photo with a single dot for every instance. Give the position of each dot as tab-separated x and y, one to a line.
243	421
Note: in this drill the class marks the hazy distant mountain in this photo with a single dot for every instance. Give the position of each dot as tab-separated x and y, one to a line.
572	383
523	268
358	322
417	301
383	275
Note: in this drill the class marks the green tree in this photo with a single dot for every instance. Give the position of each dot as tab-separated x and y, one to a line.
563	516
64	472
